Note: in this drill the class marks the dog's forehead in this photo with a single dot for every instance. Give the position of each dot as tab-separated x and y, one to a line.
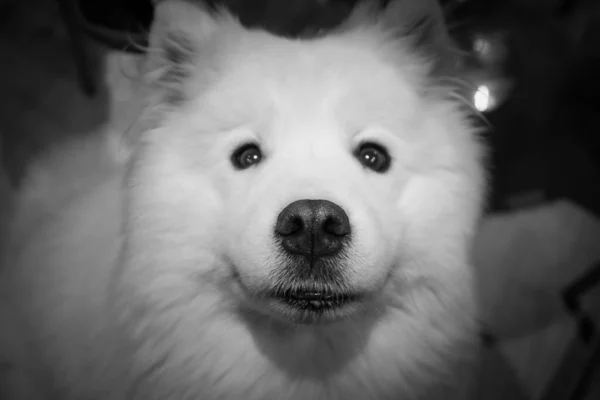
312	64
310	78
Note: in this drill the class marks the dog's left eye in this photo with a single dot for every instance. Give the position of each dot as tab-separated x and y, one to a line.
373	156
246	156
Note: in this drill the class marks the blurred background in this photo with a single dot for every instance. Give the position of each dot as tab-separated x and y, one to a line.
532	69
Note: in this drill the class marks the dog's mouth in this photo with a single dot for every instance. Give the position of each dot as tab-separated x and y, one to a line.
316	300
313	305
308	298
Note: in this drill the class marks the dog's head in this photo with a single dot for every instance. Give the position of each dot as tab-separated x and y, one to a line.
313	179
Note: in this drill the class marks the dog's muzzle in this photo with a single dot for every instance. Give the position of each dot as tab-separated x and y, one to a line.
313	235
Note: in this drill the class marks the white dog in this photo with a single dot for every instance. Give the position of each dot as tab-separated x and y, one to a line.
294	222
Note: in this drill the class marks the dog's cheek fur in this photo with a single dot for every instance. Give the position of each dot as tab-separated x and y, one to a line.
174	209
442	200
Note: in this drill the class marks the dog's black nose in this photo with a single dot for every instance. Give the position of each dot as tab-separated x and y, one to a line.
313	228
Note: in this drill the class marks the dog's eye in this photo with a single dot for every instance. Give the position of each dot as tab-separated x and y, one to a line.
246	156
373	156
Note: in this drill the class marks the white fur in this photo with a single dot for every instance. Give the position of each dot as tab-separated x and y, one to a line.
120	275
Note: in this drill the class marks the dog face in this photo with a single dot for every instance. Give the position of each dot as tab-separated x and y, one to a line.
315	179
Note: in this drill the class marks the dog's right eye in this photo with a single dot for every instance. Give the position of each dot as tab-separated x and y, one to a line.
373	156
246	156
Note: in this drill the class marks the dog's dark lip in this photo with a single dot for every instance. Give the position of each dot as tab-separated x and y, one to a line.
315	299
310	296
317	296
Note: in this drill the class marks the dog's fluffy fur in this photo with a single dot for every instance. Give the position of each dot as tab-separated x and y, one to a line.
138	279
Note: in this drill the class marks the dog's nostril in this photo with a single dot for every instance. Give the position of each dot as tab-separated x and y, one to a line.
312	227
338	225
289	225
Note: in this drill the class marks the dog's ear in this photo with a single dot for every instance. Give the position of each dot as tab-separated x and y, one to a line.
194	19
423	19
178	33
420	23
423	22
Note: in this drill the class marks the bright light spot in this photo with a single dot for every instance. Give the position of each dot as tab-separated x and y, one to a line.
483	47
482	98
